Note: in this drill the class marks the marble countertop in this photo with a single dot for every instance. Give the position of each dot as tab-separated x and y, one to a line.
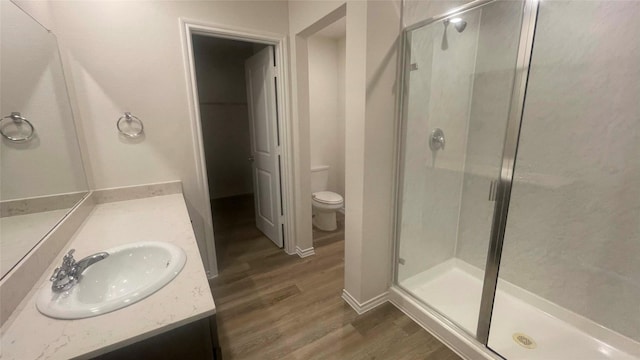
30	335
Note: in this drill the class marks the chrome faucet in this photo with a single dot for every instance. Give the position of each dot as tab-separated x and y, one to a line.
68	274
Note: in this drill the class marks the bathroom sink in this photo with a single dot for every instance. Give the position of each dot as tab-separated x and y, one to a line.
129	274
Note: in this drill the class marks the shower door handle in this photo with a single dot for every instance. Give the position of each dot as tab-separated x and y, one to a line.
493	190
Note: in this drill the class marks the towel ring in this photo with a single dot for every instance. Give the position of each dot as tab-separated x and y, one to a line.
129	119
17	119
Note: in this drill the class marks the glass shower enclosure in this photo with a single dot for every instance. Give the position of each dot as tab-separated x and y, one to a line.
518	200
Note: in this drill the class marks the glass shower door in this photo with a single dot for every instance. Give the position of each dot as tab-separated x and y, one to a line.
458	83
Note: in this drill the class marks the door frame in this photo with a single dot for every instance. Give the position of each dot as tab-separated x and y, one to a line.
189	27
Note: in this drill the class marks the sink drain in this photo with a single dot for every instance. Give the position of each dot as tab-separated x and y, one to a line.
524	340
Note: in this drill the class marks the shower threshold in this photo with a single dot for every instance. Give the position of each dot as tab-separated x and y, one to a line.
524	326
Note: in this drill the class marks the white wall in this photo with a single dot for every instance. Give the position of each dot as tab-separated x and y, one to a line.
325	118
33	84
355	111
373	29
303	14
127	56
224	114
305	18
374	147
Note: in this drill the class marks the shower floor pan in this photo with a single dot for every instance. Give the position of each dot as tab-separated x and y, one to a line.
519	329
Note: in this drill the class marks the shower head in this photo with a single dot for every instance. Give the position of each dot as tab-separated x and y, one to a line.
459	24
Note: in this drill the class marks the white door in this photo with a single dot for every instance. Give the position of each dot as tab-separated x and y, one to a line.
260	76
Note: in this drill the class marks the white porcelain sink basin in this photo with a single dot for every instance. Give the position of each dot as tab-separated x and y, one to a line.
129	274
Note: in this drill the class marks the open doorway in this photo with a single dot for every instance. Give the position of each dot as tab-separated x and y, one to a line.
237	102
327	58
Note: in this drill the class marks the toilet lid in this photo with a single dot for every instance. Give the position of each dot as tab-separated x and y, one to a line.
327	197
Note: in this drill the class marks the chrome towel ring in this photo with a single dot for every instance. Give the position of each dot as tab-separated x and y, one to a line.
18	120
129	119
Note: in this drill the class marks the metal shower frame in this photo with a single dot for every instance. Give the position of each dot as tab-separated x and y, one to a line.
510	149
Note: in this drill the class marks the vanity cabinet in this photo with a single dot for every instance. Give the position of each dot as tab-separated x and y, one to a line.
193	341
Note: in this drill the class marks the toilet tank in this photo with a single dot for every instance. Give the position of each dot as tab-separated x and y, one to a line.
319	178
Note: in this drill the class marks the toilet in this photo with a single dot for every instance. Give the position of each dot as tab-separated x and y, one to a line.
324	203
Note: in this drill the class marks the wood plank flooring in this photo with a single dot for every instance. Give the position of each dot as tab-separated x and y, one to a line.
271	305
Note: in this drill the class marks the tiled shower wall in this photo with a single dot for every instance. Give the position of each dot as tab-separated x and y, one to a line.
573	226
573	233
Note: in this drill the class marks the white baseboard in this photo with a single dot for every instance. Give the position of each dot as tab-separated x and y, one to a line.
306	252
455	339
362	308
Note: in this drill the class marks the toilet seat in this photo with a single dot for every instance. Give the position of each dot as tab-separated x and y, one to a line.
327	197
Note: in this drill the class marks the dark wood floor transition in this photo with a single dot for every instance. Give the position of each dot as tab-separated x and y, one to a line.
271	305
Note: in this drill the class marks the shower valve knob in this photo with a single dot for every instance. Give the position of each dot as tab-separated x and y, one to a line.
436	141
